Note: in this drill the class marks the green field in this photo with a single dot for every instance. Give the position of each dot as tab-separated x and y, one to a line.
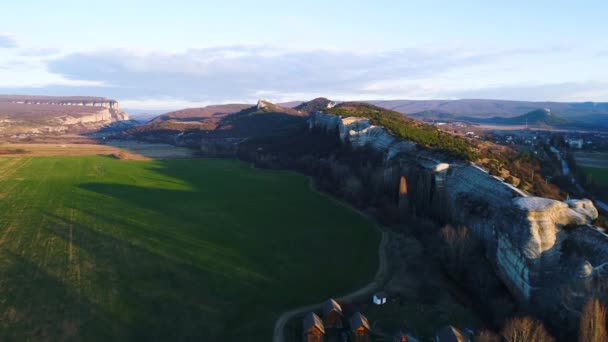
598	175
94	248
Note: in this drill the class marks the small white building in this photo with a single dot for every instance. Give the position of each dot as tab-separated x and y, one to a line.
380	298
578	143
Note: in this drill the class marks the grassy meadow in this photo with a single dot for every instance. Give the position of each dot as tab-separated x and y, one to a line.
597	175
94	248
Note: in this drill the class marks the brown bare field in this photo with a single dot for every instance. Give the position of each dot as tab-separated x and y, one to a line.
61	139
119	149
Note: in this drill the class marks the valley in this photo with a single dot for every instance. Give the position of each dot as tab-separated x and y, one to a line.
304	171
219	247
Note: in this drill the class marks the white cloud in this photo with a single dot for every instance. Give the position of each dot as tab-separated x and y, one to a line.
7	41
244	73
596	91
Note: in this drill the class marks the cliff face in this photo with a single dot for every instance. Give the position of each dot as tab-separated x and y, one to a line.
25	115
529	240
88	101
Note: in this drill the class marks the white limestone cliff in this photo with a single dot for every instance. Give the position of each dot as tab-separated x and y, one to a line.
523	235
45	115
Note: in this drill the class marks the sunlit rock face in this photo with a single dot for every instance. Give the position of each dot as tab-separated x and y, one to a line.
263	104
104	116
529	240
31	115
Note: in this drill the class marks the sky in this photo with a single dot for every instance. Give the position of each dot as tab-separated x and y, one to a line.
174	54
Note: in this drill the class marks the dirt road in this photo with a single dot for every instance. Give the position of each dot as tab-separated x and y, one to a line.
377	282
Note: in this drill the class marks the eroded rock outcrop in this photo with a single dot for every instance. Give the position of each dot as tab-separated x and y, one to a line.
528	239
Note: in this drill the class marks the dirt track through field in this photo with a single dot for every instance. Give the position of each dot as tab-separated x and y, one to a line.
375	284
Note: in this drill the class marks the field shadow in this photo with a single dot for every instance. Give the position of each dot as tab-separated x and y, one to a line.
190	278
199	226
160	251
145	296
43	308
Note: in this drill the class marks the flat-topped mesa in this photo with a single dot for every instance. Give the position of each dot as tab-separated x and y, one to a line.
24	115
62	101
523	236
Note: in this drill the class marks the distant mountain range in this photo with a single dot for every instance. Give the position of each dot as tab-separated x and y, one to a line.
576	114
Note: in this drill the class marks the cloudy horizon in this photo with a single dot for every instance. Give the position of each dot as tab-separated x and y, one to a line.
218	53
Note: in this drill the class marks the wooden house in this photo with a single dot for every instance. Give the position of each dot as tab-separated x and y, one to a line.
359	328
400	337
312	328
332	314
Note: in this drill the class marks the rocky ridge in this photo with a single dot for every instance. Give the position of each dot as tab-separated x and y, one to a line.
524	237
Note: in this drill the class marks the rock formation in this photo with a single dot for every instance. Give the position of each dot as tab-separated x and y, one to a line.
33	115
527	239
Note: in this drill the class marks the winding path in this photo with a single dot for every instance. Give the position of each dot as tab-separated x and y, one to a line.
379	280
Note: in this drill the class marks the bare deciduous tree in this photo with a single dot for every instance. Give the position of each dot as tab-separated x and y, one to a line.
486	336
593	322
525	329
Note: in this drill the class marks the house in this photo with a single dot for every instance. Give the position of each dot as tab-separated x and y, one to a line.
400	337
450	334
312	328
359	328
380	298
332	314
577	143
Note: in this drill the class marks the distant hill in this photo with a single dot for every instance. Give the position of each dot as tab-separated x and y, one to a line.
22	116
144	115
193	114
594	113
265	106
539	117
263	119
315	105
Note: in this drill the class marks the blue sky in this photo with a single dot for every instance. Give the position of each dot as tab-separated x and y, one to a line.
186	53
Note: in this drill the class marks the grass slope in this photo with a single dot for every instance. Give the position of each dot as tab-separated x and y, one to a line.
94	248
406	128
